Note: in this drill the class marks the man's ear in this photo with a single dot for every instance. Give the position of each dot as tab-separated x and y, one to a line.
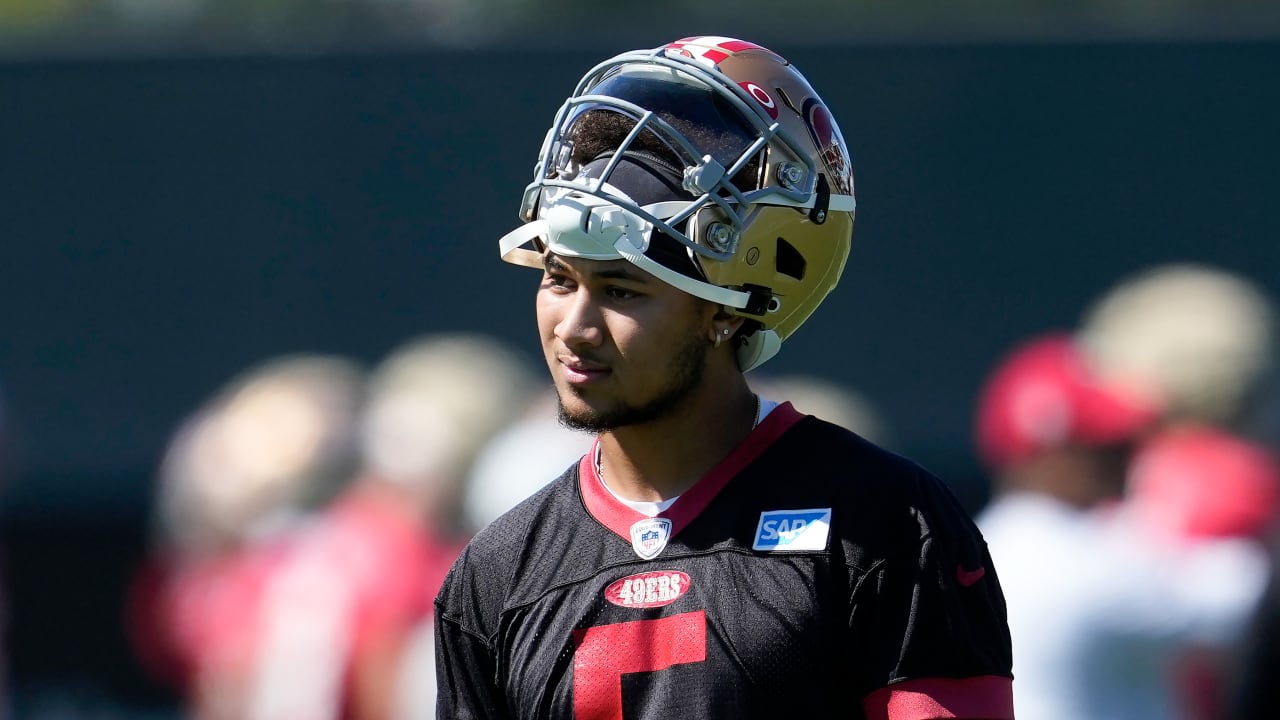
723	327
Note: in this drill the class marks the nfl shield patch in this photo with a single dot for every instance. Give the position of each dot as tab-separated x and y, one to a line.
649	537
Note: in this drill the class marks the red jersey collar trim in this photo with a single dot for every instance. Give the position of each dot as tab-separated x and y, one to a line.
619	518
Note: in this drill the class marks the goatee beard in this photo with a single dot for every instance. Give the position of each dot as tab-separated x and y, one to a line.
689	365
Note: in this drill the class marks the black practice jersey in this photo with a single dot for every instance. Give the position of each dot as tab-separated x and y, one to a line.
809	574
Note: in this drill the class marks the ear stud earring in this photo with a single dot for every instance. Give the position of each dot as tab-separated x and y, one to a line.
724	333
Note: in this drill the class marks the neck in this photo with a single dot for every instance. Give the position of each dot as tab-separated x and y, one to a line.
661	459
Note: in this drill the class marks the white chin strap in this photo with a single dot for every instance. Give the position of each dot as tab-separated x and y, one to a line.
582	225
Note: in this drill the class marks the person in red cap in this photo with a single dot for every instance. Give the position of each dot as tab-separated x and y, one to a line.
1099	613
1047	425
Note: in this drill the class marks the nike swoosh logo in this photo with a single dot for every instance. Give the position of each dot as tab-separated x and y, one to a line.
969	577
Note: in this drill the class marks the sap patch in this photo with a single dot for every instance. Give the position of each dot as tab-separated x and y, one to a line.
793	530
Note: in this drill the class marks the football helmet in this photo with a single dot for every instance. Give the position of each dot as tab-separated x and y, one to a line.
711	164
1202	336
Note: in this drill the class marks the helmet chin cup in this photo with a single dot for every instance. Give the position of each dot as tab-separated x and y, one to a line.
757	348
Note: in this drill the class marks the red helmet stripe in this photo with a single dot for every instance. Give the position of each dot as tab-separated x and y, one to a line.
712	48
734	46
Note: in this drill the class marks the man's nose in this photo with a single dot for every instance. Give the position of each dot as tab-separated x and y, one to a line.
582	323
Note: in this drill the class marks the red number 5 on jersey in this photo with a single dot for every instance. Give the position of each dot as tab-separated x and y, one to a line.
603	654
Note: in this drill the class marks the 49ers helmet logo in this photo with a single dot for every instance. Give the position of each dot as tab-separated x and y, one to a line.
831	148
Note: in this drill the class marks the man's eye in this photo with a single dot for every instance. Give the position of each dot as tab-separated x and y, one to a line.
621	293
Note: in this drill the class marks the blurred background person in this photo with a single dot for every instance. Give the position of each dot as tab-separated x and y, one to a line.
1193	486
345	619
1056	440
238	479
1205	339
1052	432
1117	608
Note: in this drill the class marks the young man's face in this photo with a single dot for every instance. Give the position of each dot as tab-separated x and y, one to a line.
623	347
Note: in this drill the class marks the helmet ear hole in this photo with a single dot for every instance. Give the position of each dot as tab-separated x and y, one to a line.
788	260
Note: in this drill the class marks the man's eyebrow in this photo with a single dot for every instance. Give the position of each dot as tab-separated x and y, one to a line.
621	271
551	262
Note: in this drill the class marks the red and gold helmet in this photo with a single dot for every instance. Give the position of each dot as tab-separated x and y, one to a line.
710	163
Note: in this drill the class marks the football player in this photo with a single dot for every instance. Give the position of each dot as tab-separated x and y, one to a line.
343	617
239	479
715	554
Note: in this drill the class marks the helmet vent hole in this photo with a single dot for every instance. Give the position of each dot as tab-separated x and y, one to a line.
788	260
786	100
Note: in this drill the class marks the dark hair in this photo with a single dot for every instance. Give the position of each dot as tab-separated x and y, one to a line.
600	132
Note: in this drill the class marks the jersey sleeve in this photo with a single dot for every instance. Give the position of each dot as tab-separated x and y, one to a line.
465	686
935	615
466	666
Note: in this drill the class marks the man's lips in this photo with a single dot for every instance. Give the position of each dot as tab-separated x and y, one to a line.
578	370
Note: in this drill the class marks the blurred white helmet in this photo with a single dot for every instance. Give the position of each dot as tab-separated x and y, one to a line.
1199	337
277	439
435	400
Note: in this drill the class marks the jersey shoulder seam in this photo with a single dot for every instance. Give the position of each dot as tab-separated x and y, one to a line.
444	616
